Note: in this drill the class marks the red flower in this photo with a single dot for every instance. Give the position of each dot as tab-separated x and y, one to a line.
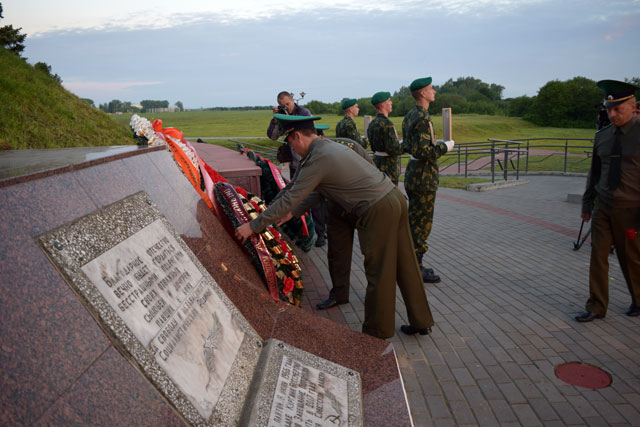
631	234
288	285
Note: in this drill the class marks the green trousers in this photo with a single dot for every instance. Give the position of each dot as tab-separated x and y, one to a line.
385	241
421	206
609	227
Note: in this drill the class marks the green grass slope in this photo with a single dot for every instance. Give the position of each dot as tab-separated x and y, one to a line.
37	112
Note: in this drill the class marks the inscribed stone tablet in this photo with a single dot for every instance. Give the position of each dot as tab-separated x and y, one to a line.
308	396
152	296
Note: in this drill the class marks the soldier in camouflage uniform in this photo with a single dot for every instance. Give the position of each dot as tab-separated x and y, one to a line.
421	176
383	138
346	127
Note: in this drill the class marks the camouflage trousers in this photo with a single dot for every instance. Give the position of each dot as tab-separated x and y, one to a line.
390	166
421	205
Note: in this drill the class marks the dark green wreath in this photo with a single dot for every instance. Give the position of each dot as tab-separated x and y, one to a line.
269	188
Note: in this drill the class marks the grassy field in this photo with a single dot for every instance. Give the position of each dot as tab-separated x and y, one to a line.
466	127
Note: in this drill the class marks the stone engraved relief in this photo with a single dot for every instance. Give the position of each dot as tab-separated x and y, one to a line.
161	296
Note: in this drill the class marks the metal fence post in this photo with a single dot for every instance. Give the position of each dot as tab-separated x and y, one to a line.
526	166
566	154
506	160
493	161
466	160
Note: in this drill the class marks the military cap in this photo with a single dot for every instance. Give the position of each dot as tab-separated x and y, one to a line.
419	83
616	92
348	102
321	126
379	97
289	123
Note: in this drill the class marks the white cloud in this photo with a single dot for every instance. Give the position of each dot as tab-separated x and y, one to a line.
38	17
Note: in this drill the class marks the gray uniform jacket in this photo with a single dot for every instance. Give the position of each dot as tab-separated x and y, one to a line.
331	170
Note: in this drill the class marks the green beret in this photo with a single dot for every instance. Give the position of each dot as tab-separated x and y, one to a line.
348	102
379	97
420	83
616	92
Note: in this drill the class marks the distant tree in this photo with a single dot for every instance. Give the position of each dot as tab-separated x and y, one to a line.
403	92
88	101
179	106
457	103
572	103
10	38
634	81
366	108
520	106
318	107
149	104
42	66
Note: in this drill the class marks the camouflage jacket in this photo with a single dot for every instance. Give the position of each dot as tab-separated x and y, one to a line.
419	141
346	128
384	139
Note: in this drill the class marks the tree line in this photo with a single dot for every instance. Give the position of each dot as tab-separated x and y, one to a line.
571	103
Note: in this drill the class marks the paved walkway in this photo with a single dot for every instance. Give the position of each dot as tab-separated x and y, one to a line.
511	284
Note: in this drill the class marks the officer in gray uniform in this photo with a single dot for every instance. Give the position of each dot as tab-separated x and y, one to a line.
612	199
339	174
341	226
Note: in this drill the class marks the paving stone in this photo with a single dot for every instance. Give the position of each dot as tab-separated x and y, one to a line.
503	411
511	284
526	415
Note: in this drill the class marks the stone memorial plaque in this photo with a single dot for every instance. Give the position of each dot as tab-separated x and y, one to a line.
296	388
308	396
161	308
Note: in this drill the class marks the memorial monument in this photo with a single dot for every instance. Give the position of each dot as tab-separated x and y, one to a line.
125	302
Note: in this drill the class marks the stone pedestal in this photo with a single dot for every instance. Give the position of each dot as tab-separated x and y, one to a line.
233	166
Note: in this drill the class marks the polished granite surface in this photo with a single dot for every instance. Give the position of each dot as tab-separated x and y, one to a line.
58	367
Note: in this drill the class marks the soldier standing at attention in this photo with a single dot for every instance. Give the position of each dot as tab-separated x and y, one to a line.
612	198
383	138
346	128
422	176
336	172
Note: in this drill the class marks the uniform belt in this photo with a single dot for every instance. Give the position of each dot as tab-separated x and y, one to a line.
381	153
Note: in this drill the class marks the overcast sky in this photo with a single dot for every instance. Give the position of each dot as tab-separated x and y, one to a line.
243	52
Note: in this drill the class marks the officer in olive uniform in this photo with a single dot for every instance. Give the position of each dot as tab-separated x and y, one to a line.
346	128
421	176
338	173
612	199
383	138
341	226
